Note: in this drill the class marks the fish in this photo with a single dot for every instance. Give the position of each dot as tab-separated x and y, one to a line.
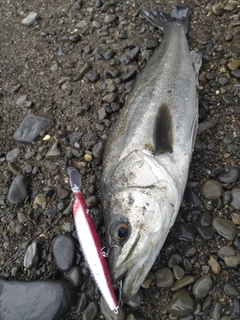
148	153
90	243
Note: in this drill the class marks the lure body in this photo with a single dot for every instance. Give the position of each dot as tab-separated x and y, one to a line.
90	243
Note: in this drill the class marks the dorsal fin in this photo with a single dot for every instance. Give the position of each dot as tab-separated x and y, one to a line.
163	132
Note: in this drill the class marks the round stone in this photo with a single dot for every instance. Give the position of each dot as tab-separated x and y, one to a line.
164	278
211	189
64	252
226	228
202	287
181	304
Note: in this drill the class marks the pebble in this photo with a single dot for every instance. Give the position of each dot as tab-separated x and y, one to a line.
207	303
225	251
109	18
82	24
109	314
235	218
51	212
31	257
22	218
174	260
202	287
76	137
217	311
233	65
231	290
205	219
206	125
232	261
206	233
235	202
21	100
164	278
227	100
226	228
73	276
28	21
18	190
178	272
81	303
108	55
183	232
97	150
64	252
90	312
67	226
40	300
13	155
40	200
135	316
93	77
185	281
229	177
217	9
181	304
62	193
211	189
136	300
75	38
189	250
110	97
236	309
214	265
31	128
53	152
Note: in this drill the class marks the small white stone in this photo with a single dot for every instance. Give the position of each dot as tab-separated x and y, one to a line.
29	19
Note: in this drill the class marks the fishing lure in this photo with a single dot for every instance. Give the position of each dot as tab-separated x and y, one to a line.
90	243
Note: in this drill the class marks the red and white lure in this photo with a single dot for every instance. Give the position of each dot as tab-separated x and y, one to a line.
90	243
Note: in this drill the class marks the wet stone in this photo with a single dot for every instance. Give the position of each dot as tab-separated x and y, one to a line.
18	190
174	260
81	303
235	202
236	309
227	197
102	113
73	276
31	128
231	290
13	155
28	21
53	152
202	287
22	218
76	137
185	281
189	250
40	300
178	272
135	316
206	125
233	65
31	257
109	18
236	74
207	303
211	189
225	251
226	228
217	311
206	233
223	80
235	218
181	303
64	252
227	100
229	177
51	212
232	261
214	265
164	278
183	232
205	219
217	9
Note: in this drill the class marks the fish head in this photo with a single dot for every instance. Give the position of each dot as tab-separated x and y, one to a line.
138	220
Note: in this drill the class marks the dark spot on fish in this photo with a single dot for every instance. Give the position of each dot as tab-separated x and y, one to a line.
131	199
163	133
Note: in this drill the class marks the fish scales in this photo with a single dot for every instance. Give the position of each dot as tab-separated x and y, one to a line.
148	153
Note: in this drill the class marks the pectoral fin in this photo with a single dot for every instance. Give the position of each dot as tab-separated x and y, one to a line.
163	133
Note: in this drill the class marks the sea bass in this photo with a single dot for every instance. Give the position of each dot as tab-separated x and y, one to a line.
148	153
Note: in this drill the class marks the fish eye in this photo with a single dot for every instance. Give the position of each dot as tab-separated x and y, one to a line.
120	232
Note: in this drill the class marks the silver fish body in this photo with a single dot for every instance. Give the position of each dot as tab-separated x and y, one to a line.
148	154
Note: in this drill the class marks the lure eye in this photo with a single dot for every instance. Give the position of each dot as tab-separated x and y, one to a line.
120	232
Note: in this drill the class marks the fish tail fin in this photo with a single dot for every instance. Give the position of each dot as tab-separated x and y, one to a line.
180	15
75	180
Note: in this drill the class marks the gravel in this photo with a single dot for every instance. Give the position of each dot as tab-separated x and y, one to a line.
67	69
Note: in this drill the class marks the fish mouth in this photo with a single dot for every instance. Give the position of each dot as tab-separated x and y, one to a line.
132	267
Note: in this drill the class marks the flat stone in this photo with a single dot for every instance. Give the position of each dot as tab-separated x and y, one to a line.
181	304
185	281
206	125
227	100
235	201
232	261
13	155
211	189
226	228
214	265
206	233
231	290
29	19
31	257
109	18
229	177
64	252
18	190
21	100
31	128
202	287
183	232
74	276
110	97
35	300
53	152
82	24
164	277
233	65
225	251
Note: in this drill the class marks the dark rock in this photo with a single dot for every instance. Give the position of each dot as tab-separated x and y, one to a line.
76	137
90	312
227	100
51	212
13	155
81	302
35	300
181	304
202	287
75	38
64	252
18	190
31	128
183	232
74	276
229	177
164	278
31	257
